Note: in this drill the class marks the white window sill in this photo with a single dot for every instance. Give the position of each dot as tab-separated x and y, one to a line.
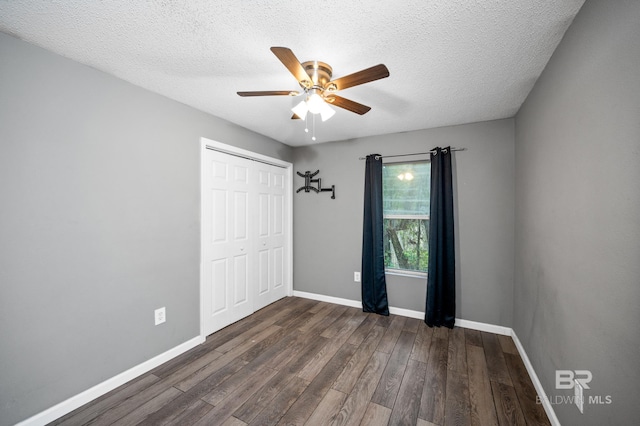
403	273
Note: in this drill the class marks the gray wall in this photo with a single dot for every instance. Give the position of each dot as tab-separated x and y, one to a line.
577	282
99	224
328	233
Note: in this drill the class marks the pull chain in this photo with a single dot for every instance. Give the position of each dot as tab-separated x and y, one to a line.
313	124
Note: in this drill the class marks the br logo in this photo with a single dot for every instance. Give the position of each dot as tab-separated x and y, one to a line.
565	379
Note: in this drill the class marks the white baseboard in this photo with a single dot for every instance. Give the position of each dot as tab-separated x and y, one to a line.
483	326
406	313
108	385
474	325
328	299
536	382
355	304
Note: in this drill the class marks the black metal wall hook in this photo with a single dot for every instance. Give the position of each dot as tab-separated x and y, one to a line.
308	181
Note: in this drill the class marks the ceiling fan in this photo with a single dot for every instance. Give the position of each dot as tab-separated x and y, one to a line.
314	78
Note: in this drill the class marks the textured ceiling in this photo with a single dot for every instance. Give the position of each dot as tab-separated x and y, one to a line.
451	61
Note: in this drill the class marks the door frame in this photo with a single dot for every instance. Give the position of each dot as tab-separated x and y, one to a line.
206	144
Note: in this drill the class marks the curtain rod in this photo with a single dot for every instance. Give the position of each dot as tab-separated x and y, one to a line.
415	153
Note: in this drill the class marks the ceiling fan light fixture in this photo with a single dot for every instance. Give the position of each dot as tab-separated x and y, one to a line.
315	103
301	109
326	112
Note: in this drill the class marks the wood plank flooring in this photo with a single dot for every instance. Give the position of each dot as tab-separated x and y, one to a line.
304	362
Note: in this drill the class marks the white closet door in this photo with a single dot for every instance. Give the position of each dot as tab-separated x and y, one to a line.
271	218
245	227
229	242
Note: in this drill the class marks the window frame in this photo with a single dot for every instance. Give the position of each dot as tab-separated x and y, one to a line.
426	216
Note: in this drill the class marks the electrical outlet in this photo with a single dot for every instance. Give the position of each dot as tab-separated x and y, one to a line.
356	277
160	315
579	395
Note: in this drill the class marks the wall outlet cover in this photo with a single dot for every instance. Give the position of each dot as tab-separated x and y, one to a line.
160	315
356	277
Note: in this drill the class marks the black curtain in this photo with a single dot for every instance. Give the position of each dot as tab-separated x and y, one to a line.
374	285
441	281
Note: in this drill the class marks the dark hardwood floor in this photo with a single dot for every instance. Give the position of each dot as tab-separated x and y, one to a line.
300	361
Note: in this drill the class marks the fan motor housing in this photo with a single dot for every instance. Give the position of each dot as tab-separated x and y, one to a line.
319	72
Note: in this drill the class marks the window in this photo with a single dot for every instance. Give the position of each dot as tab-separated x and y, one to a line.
405	194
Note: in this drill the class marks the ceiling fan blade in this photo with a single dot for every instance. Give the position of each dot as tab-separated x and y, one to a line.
347	104
365	76
270	93
295	117
292	63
